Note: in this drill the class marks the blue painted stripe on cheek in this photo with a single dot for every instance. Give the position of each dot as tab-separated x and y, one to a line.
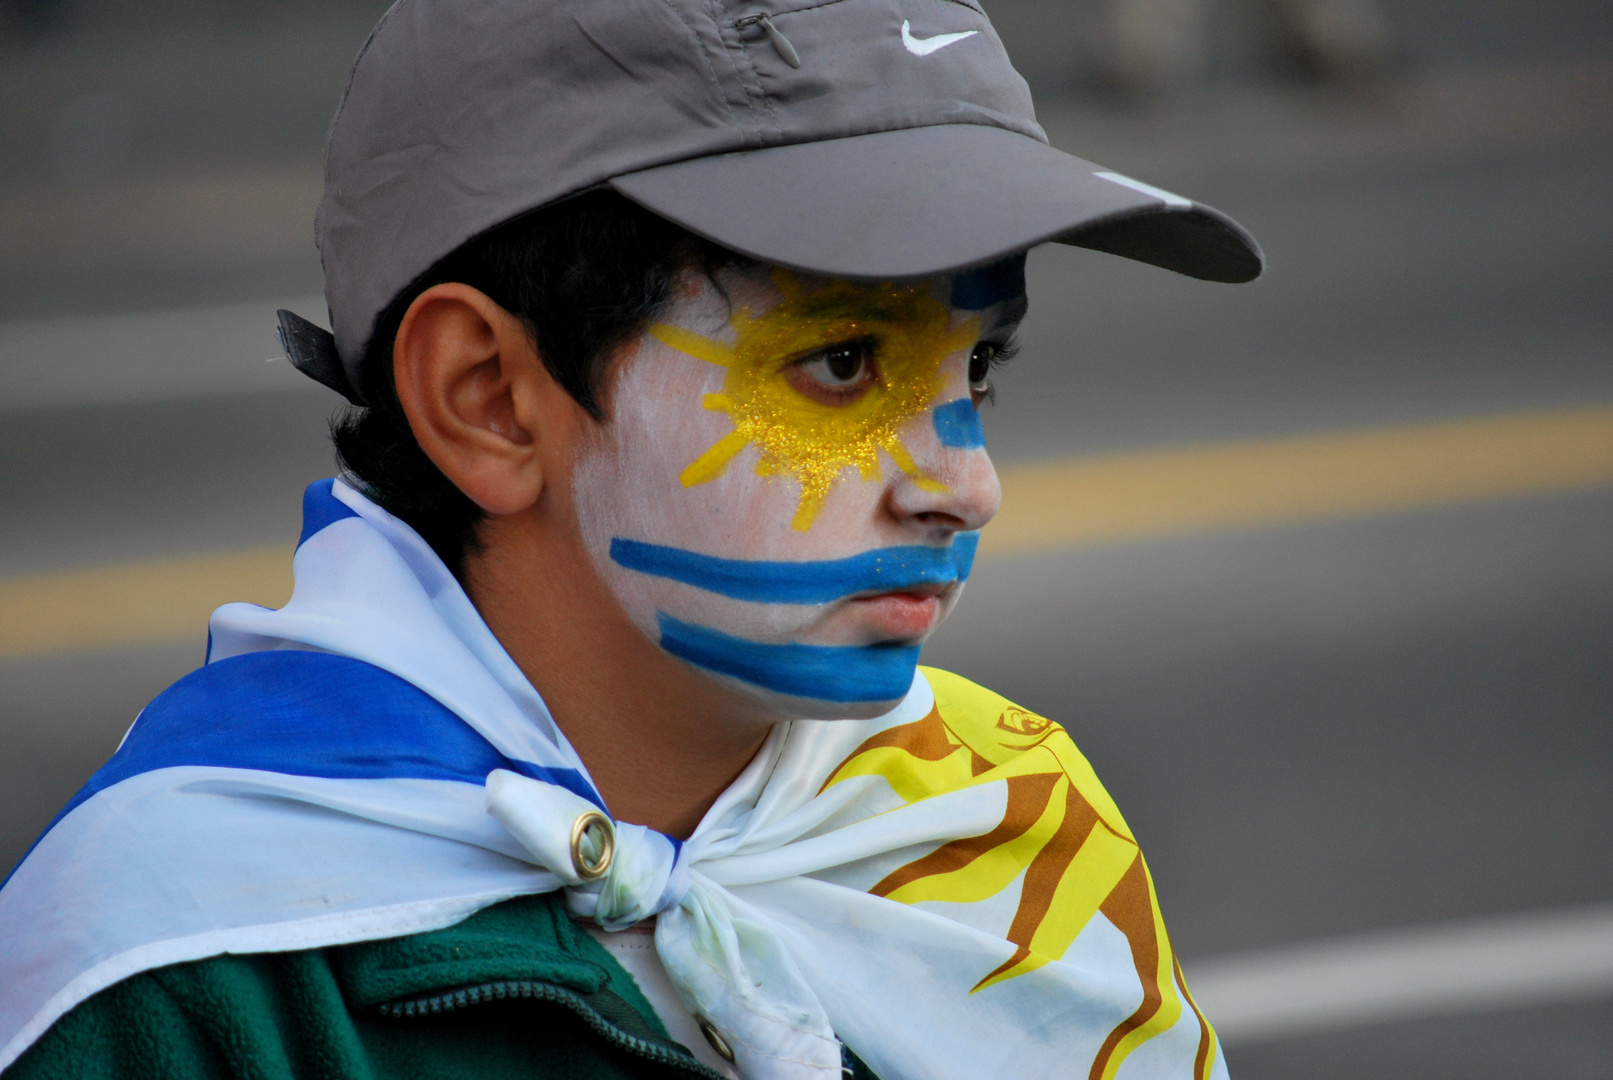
957	424
891	569
988	286
965	546
842	673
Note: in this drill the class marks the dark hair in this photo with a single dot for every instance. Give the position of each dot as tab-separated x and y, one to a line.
584	276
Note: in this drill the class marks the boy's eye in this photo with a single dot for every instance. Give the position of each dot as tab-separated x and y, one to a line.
837	366
835	375
980	361
985	356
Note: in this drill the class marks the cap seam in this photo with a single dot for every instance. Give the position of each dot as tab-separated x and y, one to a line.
808	7
806	140
1001	121
759	94
796	10
341	107
699	47
768	129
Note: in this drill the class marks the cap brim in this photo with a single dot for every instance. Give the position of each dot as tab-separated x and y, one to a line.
930	200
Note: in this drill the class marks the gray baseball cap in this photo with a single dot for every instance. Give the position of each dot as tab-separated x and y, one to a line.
864	139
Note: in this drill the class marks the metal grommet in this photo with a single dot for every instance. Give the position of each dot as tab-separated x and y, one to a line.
597	828
718	1043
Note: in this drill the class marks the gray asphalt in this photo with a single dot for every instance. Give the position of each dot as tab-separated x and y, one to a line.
1314	729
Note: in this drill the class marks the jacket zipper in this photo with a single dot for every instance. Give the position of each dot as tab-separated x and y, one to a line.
465	997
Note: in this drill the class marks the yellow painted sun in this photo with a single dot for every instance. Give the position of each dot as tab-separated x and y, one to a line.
809	441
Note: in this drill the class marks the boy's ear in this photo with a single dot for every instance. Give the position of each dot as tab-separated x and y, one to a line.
479	400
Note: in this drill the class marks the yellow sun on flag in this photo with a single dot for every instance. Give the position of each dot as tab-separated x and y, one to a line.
811	442
1061	837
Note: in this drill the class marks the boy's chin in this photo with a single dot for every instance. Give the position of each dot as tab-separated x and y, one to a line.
783	706
853	710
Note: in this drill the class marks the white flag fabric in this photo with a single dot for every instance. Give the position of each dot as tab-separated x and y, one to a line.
946	889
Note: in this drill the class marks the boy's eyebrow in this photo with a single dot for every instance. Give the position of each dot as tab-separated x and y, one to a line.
1010	313
988	286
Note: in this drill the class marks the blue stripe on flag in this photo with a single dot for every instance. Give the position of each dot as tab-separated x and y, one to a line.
822	672
889	569
310	714
320	507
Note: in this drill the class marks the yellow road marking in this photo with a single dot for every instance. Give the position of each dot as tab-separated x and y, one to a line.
1242	485
1048	507
134	603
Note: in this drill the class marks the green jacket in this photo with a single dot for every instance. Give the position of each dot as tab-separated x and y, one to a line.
516	990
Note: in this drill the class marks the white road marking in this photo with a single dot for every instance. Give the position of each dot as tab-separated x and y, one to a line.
1471	966
147	356
925	46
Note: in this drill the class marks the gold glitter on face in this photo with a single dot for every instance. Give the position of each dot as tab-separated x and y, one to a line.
906	335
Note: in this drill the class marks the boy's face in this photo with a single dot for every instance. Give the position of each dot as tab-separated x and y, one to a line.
788	487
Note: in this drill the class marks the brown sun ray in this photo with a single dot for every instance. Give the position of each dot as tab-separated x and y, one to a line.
1027	800
1129	909
1042	879
1201	1060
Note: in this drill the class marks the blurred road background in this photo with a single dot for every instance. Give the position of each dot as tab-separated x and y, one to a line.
1318	571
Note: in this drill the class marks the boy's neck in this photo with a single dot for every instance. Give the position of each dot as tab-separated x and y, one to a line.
660	742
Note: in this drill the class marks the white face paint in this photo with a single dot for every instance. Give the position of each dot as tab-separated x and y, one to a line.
786	490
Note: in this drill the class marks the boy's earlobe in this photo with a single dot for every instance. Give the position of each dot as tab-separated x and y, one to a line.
473	387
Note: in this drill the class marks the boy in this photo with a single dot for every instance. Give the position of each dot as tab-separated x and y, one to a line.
591	742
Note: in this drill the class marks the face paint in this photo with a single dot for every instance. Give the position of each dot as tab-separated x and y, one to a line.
814	442
989	286
742	516
957	425
893	569
838	673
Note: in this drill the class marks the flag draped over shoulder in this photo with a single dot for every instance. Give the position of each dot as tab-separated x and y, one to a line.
948	889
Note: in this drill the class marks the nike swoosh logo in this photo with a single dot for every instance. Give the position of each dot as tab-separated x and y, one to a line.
927	45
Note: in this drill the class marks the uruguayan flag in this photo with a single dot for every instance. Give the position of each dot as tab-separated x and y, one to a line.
946	888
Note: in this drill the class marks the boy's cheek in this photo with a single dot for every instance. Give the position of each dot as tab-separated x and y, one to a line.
628	487
632	482
740	516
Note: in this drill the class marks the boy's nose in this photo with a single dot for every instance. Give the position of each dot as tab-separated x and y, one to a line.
962	492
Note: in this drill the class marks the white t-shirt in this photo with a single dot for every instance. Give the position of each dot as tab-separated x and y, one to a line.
636	952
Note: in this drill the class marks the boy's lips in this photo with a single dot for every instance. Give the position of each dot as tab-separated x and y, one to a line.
905	614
